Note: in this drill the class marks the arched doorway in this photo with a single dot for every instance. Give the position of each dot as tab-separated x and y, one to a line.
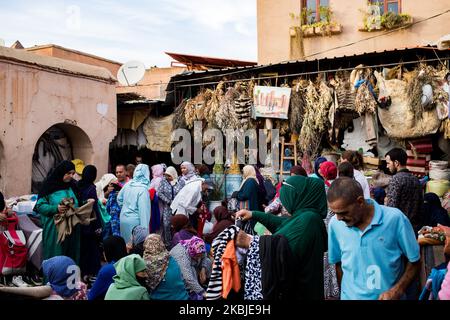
57	143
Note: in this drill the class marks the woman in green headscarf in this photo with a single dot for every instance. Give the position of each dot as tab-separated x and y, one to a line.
130	279
304	198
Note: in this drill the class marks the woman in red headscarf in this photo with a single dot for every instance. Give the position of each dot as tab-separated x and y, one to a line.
328	171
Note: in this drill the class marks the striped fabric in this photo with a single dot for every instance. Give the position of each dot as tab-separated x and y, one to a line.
214	291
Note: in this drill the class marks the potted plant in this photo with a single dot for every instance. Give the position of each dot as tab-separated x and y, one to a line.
373	20
217	194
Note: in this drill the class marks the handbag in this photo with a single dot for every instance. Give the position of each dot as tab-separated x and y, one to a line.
13	250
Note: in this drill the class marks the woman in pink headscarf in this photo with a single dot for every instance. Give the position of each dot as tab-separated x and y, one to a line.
157	176
194	264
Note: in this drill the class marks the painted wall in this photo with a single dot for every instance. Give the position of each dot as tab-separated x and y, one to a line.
274	41
32	100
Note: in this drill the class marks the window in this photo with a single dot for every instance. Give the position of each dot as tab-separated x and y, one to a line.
388	5
314	14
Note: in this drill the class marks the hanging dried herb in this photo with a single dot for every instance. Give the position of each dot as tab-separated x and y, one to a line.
309	139
365	101
323	107
213	105
179	119
344	92
297	107
226	117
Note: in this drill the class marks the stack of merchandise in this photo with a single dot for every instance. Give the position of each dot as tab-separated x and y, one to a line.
371	163
419	156
440	176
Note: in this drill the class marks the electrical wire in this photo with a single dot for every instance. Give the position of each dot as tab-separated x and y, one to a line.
313	72
246	69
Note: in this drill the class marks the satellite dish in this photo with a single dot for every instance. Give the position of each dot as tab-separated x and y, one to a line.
131	73
2	42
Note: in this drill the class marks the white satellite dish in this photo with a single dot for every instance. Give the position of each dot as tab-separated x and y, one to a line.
131	73
2	42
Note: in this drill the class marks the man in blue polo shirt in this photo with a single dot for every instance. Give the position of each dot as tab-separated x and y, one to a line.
374	247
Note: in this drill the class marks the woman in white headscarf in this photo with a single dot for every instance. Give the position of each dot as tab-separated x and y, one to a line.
167	190
102	187
187	171
134	199
248	195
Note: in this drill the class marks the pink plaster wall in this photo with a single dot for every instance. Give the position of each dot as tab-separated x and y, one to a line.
31	101
273	23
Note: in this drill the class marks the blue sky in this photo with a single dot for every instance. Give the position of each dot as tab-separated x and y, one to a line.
135	30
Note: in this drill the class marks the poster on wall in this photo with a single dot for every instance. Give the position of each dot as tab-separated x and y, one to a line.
271	102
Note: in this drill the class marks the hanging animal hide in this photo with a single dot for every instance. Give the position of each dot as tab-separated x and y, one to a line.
398	120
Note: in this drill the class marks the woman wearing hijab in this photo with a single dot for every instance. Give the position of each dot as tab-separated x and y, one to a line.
317	163
134	200
167	191
356	159
434	212
58	272
56	187
157	176
114	249
182	228
304	198
103	187
187	171
90	234
136	244
248	194
165	281
224	219
275	206
194	264
130	279
328	171
189	197
113	208
262	193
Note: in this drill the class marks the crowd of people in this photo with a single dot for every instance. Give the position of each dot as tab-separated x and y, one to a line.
329	235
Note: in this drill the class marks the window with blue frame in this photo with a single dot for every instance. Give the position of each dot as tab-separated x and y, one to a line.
388	5
313	7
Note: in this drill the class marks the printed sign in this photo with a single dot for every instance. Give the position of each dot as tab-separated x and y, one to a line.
271	102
